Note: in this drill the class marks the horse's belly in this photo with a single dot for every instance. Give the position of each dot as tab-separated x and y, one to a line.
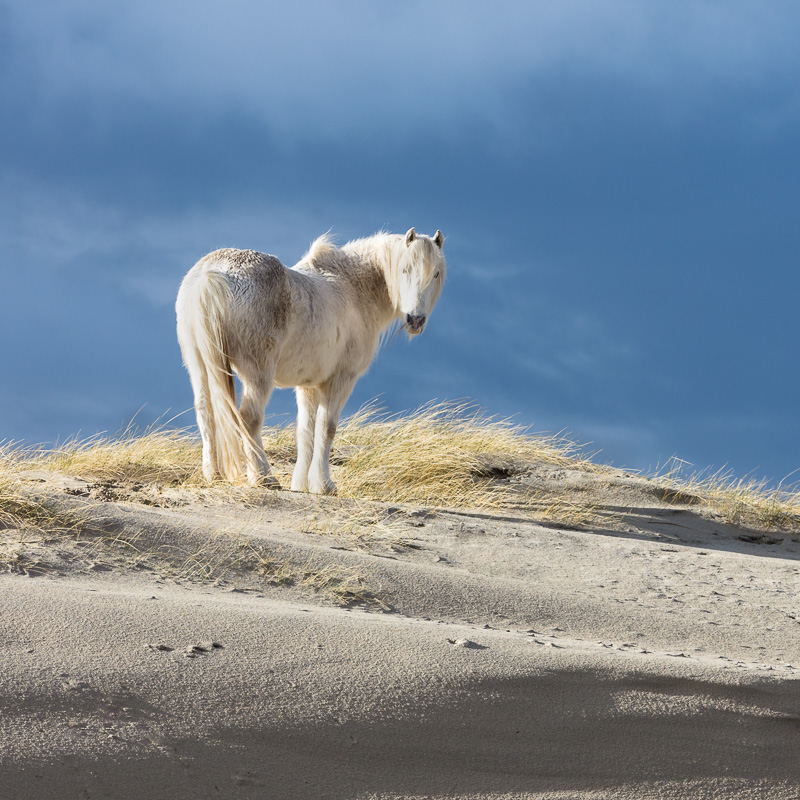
316	360
305	367
288	380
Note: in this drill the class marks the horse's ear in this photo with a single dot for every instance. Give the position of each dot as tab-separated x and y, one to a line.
410	236
438	239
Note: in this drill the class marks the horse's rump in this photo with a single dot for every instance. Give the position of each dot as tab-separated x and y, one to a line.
205	301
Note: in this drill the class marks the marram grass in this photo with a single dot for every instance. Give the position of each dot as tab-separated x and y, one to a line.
26	518
443	455
744	502
440	455
22	510
158	456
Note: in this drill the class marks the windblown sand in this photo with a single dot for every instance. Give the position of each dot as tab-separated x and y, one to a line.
203	644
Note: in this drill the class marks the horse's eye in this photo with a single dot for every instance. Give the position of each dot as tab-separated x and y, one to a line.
436	274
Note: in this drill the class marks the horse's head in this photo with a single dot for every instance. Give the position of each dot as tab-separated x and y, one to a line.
422	271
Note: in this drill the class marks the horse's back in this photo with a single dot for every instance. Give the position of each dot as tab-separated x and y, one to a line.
246	271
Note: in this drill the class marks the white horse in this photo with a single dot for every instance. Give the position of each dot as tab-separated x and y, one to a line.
316	326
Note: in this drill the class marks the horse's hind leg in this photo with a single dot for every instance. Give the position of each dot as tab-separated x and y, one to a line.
333	396
307	403
202	406
255	396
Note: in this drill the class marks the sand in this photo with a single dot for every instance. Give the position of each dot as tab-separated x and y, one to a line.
265	646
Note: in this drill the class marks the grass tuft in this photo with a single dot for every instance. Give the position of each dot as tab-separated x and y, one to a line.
25	518
744	502
158	456
442	455
344	585
22	510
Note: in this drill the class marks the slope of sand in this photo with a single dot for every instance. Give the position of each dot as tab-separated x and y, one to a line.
283	646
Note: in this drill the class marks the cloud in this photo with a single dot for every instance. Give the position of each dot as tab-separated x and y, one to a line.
54	230
310	71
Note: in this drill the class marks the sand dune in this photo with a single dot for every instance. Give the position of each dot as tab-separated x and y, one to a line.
275	648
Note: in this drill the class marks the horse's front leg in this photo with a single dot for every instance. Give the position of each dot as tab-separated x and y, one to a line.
333	397
307	403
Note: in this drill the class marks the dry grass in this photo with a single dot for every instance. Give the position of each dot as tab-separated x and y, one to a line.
441	456
744	502
157	456
25	519
344	585
360	525
28	523
22	511
225	556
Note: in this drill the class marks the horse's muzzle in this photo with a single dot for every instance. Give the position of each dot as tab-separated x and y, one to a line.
415	322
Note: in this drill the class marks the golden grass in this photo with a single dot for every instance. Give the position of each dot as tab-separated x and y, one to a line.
161	458
157	456
362	525
22	511
26	519
440	456
224	556
344	584
26	522
744	502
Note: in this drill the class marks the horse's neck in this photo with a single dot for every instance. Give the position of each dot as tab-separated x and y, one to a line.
375	260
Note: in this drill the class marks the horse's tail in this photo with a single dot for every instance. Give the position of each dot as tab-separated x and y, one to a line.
205	309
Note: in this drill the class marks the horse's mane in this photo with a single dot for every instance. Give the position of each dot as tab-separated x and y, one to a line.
320	247
382	250
377	250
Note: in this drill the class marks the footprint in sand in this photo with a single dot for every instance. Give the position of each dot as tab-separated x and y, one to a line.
202	649
190	651
467	644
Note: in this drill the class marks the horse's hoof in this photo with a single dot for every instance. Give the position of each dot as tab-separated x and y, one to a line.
266	482
329	487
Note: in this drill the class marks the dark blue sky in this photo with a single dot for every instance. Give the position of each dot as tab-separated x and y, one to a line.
617	182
